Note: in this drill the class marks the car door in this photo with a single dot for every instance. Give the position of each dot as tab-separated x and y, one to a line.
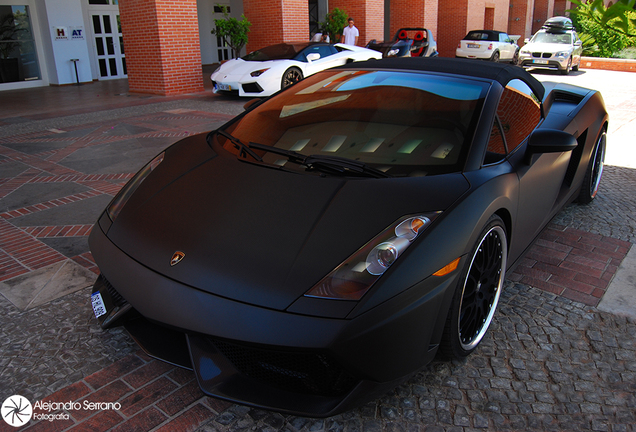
540	179
329	57
505	47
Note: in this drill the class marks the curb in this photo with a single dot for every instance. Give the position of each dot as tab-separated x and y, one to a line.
612	64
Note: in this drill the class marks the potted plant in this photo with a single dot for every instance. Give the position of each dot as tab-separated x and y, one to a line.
334	24
232	31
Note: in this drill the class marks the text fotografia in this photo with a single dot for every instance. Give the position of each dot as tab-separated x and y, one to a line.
76	406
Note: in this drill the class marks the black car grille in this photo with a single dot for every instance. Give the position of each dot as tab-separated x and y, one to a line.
541	55
252	88
118	300
299	372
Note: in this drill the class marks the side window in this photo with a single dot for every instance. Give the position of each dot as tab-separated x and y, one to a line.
519	113
496	150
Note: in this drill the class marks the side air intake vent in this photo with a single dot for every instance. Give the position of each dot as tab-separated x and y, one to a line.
562	96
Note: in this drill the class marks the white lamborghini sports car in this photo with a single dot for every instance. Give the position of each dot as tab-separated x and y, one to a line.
270	69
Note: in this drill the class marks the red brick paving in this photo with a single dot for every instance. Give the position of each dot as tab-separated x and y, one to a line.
568	262
575	264
151	393
21	250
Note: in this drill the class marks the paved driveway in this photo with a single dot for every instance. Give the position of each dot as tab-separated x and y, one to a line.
552	360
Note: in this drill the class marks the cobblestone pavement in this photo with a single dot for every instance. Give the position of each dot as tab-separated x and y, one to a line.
547	363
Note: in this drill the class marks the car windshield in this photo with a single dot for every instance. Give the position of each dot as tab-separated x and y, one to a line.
283	51
560	38
401	123
478	35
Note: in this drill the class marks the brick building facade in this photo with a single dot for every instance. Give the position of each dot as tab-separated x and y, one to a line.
275	21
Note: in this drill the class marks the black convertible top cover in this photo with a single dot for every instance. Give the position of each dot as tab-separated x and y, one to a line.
499	72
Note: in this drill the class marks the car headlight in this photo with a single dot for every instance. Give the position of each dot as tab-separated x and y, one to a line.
357	274
393	52
562	54
524	52
126	192
258	72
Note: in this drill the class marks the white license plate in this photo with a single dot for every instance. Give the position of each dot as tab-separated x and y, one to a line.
223	87
99	308
540	61
473	45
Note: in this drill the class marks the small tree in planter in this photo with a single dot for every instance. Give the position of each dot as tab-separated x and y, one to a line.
232	31
334	24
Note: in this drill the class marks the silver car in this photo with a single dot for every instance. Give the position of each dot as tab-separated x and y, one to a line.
552	48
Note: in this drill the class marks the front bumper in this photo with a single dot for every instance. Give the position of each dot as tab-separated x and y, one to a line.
247	87
278	360
557	63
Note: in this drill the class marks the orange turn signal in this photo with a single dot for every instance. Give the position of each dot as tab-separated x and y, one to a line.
448	268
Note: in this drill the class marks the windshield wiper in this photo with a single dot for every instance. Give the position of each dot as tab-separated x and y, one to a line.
240	145
343	165
333	164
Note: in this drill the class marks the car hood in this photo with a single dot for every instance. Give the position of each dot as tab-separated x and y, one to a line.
260	235
547	47
240	67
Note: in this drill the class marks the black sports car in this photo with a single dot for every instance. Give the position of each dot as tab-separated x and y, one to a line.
408	42
331	240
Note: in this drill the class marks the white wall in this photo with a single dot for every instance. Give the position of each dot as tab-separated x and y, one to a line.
68	14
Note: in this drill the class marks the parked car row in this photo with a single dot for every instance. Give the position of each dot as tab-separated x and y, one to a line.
264	72
555	46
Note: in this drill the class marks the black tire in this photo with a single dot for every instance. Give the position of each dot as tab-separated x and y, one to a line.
567	69
495	57
477	293
594	171
515	58
291	76
575	68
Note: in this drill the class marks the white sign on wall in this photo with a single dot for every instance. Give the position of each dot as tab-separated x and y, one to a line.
60	33
77	33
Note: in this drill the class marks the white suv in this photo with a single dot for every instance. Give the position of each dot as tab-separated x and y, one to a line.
556	46
488	45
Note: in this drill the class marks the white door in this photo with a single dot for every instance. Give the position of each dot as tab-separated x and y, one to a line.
109	45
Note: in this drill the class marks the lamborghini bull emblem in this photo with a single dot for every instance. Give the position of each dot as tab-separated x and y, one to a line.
176	258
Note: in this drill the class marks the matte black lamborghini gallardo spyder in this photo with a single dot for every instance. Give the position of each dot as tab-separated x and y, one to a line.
328	242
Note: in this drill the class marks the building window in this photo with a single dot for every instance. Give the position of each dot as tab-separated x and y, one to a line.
18	57
103	2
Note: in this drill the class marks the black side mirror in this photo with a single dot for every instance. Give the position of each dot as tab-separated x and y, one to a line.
549	141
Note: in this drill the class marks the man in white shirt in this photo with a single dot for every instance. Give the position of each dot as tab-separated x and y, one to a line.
350	33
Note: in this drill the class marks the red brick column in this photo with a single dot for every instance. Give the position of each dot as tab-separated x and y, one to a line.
368	16
452	19
520	20
161	38
560	6
542	11
276	21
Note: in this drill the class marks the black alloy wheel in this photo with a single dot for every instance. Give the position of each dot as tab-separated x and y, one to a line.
592	179
291	76
478	292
